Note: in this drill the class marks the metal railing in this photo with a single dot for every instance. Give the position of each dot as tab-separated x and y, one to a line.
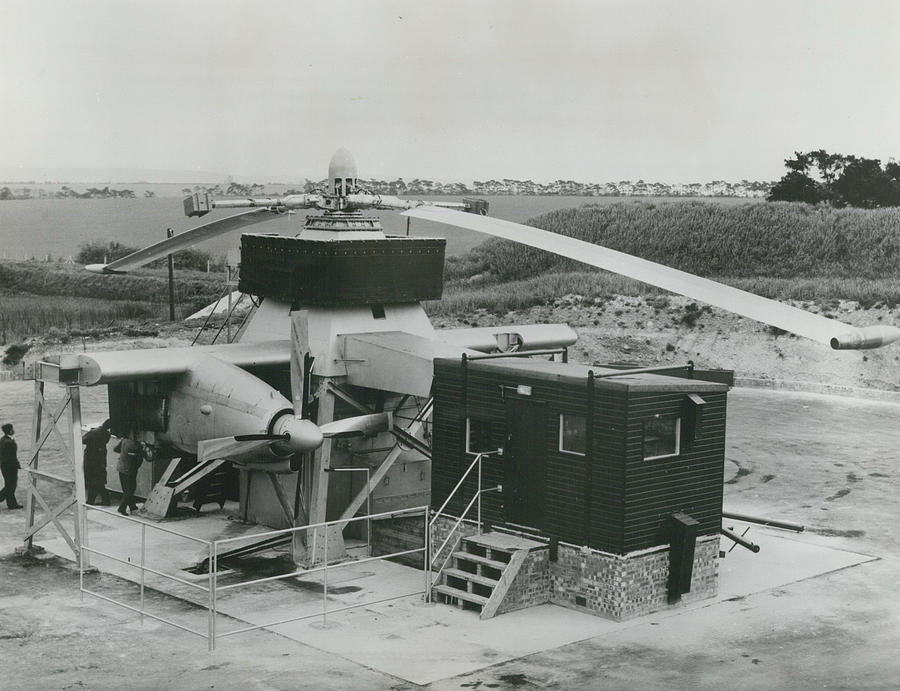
213	589
144	569
433	556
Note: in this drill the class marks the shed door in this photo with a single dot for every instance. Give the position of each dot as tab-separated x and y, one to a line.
525	455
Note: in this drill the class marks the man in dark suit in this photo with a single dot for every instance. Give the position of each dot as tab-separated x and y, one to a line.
95	442
131	455
9	466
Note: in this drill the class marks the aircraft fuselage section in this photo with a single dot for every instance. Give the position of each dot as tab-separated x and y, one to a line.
215	399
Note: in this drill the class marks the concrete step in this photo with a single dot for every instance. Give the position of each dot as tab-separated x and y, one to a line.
503	542
474	577
478	559
461	594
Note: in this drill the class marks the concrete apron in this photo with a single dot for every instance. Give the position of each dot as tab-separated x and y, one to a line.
420	643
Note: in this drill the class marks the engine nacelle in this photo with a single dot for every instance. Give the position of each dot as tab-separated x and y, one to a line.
214	399
866	337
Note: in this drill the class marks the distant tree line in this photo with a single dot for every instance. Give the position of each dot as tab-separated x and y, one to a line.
103	252
66	192
838	180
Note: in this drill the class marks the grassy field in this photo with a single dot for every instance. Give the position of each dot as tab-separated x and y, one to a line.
60	301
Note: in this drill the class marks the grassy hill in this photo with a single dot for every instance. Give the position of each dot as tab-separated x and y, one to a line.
779	250
753	239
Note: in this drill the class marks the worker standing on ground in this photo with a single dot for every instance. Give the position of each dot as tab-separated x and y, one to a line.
95	442
131	455
9	466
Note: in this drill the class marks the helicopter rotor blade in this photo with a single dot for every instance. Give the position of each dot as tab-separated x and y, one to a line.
182	241
838	335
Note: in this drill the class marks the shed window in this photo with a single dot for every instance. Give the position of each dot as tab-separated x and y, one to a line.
572	434
478	435
662	437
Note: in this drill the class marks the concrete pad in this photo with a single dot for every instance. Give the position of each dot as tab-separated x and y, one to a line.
400	634
784	557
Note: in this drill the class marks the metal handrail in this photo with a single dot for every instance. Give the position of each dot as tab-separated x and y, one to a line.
324	569
476	460
317	569
212	588
433	555
144	569
121	516
456	526
323	524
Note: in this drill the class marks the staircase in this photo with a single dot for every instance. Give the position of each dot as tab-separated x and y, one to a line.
483	570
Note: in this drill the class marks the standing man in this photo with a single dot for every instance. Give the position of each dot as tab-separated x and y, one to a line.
95	442
131	455
9	466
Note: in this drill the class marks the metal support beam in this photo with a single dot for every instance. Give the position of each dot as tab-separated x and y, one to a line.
52	516
70	441
77	456
386	465
282	498
37	417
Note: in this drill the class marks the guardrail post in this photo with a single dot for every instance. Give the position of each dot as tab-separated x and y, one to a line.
325	581
143	552
211	595
479	492
81	528
81	570
426	565
368	511
215	585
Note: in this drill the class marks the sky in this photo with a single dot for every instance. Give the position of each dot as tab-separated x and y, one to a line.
594	91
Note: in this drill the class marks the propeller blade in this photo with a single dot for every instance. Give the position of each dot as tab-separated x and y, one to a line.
182	241
229	447
260	437
818	328
361	425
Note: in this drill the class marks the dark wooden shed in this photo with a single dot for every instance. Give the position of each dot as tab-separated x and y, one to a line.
592	456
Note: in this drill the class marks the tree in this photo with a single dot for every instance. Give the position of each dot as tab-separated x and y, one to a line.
818	176
863	183
796	187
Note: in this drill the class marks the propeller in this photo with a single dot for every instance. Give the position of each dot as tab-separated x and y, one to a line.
291	433
837	334
182	241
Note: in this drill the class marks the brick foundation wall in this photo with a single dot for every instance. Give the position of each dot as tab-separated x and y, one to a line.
623	587
531	585
400	534
441	529
617	587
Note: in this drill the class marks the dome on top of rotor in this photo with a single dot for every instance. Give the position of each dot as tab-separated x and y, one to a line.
342	173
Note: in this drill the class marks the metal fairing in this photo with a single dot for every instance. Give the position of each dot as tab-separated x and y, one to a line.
236	403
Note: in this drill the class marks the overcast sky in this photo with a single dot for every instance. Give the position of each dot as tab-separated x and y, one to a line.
592	91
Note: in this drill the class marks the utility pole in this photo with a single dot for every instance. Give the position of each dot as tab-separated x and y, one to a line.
171	258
